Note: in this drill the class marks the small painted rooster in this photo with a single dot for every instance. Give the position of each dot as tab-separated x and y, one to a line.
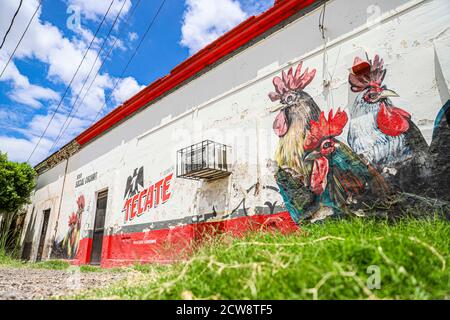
383	133
295	110
340	179
72	238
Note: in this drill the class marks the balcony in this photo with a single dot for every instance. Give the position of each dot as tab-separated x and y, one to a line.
206	160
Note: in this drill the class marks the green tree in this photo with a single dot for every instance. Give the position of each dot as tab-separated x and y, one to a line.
17	181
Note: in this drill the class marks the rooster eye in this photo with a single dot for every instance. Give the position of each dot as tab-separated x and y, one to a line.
372	96
289	99
326	145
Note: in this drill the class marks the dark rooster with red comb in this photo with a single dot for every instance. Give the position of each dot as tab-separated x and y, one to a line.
383	133
340	179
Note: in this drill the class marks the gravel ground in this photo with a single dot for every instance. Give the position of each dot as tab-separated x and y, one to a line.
27	283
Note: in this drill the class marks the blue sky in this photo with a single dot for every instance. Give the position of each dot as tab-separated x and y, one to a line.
35	80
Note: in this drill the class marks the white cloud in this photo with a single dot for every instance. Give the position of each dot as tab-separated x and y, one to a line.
32	132
32	94
23	91
254	7
206	20
40	122
94	10
13	74
10	117
19	149
133	36
125	89
119	44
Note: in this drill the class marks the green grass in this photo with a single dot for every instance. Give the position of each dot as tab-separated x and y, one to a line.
323	261
89	268
7	260
50	264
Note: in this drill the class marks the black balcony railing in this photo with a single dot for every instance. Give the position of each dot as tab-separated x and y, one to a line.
206	160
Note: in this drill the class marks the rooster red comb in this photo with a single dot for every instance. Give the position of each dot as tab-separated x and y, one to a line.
325	128
73	219
361	78
290	81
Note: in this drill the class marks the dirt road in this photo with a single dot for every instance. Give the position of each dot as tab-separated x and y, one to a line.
27	283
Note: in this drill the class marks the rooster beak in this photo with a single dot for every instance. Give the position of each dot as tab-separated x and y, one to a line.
312	156
277	108
386	93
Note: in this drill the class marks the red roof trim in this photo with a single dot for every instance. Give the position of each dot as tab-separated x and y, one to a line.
226	44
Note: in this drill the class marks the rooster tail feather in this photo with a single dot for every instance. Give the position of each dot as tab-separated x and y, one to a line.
439	154
355	179
442	122
296	196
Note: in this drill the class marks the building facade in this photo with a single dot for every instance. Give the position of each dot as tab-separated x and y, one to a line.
240	136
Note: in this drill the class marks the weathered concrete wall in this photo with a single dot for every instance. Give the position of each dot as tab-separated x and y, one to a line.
230	105
47	196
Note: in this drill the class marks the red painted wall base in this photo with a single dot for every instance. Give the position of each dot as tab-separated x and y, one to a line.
170	245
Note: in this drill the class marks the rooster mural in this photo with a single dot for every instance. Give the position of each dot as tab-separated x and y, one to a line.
295	110
70	242
383	133
341	179
320	176
68	247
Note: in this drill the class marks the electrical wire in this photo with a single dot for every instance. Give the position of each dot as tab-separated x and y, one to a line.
326	76
11	24
131	59
21	38
71	81
322	19
127	21
62	130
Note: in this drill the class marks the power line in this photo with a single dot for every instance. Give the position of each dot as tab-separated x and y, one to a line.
61	134
11	24
131	58
71	81
87	77
21	38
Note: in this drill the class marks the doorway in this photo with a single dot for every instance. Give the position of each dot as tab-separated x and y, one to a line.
99	228
43	234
